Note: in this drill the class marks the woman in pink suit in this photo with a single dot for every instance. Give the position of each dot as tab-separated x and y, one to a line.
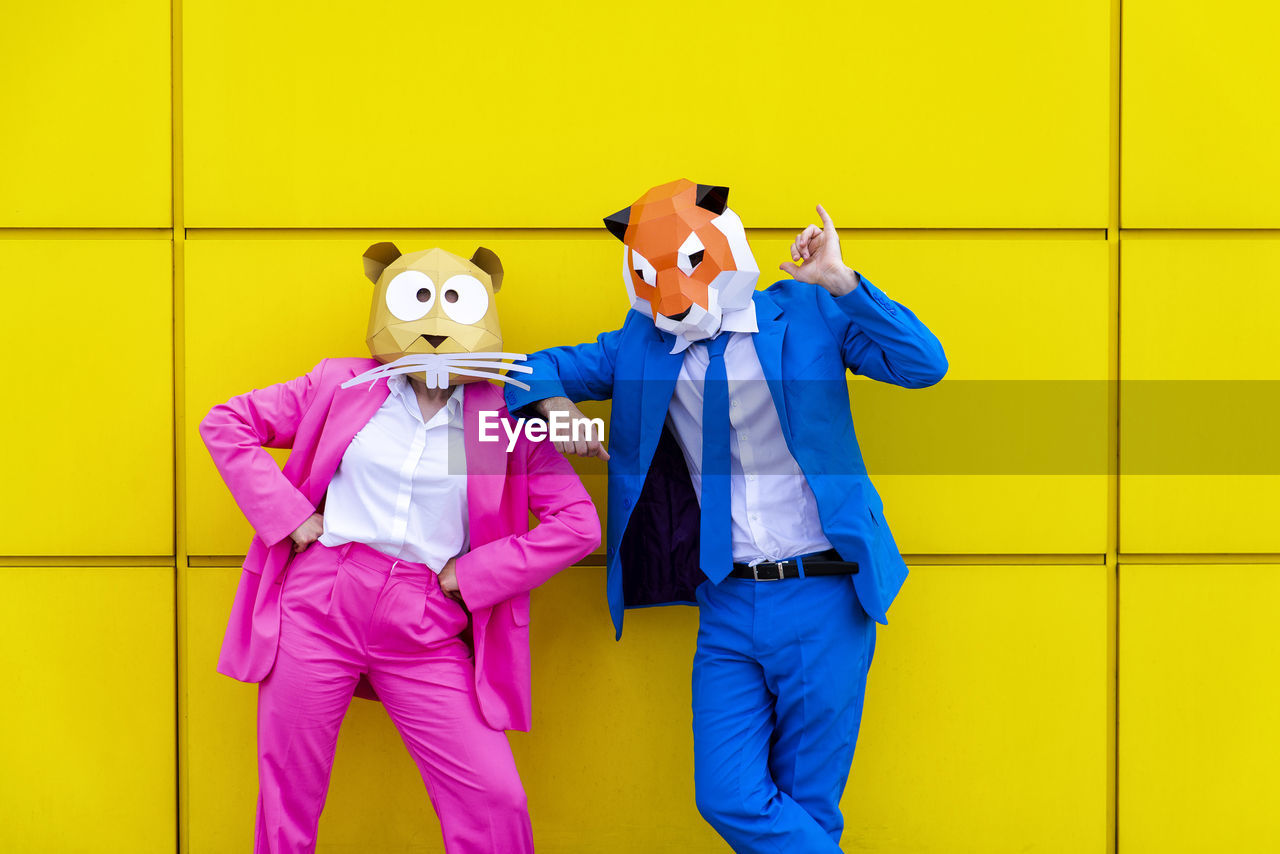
393	554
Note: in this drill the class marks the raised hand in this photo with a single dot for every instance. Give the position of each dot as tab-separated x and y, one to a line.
816	258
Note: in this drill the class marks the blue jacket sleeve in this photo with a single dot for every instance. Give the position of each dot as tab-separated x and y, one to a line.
579	372
882	339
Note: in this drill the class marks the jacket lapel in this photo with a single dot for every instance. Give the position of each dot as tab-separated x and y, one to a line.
486	461
661	370
350	411
768	343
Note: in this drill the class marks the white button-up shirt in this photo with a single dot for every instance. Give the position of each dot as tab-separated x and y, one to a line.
402	484
775	515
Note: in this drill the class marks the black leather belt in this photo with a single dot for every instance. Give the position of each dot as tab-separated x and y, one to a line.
822	563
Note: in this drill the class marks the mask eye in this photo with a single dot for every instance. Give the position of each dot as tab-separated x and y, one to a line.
465	299
643	269
410	295
690	255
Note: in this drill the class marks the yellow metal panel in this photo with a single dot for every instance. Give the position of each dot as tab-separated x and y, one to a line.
1199	753
87	338
1208	514
1199	309
218	765
264	311
1198	403
992	113
1200	122
85	102
986	720
87	730
376	799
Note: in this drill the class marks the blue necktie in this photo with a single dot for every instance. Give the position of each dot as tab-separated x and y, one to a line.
715	551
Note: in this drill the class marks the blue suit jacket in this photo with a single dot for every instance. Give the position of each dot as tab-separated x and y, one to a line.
807	340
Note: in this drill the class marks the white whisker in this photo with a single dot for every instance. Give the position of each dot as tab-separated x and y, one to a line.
436	367
499	377
476	363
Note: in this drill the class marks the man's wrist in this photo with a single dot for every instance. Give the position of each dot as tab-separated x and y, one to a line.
841	281
548	405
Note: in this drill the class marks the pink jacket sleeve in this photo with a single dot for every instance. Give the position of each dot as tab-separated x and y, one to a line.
236	432
567	530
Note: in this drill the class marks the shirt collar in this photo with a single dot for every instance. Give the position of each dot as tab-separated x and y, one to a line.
737	320
399	387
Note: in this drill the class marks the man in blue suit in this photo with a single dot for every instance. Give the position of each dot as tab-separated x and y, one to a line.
735	481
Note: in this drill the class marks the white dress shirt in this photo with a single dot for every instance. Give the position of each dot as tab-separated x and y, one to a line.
775	515
402	484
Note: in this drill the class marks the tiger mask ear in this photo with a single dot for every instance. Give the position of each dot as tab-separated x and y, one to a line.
487	260
377	258
617	223
713	198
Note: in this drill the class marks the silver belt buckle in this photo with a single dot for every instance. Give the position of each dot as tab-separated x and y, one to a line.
755	570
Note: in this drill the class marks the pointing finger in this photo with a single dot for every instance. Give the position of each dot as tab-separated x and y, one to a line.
826	219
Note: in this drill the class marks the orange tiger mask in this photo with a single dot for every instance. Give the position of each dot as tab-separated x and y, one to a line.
686	260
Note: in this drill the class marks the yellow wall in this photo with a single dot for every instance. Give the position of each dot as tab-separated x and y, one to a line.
1081	660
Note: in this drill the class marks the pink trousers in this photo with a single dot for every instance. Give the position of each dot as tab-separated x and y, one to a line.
352	610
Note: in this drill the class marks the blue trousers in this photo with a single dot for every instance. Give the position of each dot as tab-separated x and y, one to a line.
778	682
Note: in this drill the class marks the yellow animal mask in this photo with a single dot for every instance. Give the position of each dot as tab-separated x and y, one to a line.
435	313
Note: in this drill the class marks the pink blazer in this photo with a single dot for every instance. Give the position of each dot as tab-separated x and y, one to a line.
317	419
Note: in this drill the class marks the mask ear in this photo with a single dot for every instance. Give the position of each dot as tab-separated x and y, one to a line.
617	223
712	198
486	260
377	257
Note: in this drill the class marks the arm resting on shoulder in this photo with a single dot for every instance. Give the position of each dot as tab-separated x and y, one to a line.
578	372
